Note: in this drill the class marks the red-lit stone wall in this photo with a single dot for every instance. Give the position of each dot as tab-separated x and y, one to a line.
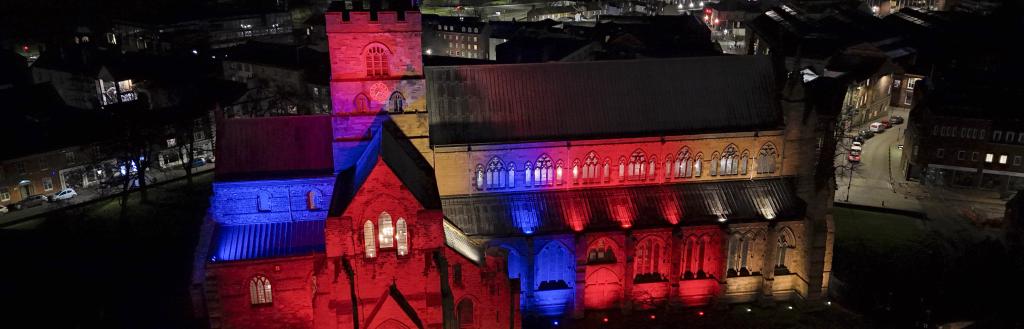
291	281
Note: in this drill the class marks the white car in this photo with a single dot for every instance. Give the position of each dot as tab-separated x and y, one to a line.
65	194
858	144
3	209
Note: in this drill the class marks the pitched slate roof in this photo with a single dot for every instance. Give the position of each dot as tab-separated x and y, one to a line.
391	146
548	101
274	147
266	240
607	208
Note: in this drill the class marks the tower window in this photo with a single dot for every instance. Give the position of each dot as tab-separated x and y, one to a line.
387	232
402	237
368	240
377	62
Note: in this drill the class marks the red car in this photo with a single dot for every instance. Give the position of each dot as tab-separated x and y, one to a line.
854	156
886	123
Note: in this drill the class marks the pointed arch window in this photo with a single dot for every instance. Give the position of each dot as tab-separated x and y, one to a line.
591	168
766	159
601	253
739	251
402	237
511	175
576	171
396	103
478	178
543	173
387	232
465	314
607	174
369	240
260	291
668	166
495	174
637	165
727	162
528	178
698	162
743	162
684	165
361	103
647	266
313	200
558	172
622	169
652	167
377	61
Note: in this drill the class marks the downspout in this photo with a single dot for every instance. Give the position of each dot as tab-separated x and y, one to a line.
447	303
350	274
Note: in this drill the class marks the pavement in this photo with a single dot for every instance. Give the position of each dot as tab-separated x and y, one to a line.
878	181
92	193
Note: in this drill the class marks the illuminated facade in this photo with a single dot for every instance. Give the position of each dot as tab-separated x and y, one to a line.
546	192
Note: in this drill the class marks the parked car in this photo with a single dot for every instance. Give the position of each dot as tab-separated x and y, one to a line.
854	156
858	144
65	194
885	122
31	201
858	139
3	209
198	162
896	119
867	134
210	159
876	127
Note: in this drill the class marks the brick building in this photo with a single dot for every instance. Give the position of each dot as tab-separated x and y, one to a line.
547	191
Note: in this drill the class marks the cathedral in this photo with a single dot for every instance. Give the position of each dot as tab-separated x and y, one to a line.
489	195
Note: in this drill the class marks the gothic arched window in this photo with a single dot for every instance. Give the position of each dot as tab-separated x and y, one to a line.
396	103
478	178
684	166
622	169
766	159
647	266
260	291
495	173
387	232
601	253
377	62
668	166
591	168
698	165
543	173
402	237
727	163
558	172
652	167
312	200
637	165
607	174
465	313
369	240
576	171
511	175
528	178
743	162
739	251
362	103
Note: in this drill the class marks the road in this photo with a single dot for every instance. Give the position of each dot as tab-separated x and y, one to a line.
875	175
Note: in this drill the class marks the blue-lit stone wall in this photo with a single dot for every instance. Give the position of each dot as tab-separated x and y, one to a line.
236	203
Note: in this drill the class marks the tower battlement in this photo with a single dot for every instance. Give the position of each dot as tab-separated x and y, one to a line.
372	16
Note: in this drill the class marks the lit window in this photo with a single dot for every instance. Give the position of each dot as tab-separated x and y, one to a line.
478	178
368	240
402	237
362	103
511	175
684	166
766	159
698	164
1002	159
637	165
312	200
648	263
495	175
260	291
528	171
558	172
377	61
543	173
387	232
5	195
590	168
396	103
693	258
989	157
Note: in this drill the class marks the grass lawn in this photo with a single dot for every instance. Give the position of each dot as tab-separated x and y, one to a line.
89	267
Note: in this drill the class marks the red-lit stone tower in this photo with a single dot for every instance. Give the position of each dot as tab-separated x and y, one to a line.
376	70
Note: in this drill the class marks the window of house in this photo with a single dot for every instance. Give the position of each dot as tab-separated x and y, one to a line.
997	135
939	153
960	155
465	313
48	183
1010	136
1002	159
5	195
1016	160
1020	137
637	165
260	292
369	240
387	232
912	82
263	201
377	61
457	274
402	237
989	157
974	156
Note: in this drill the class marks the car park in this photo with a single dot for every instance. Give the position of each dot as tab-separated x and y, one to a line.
65	194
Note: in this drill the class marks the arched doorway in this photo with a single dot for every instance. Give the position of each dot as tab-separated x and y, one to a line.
603	290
